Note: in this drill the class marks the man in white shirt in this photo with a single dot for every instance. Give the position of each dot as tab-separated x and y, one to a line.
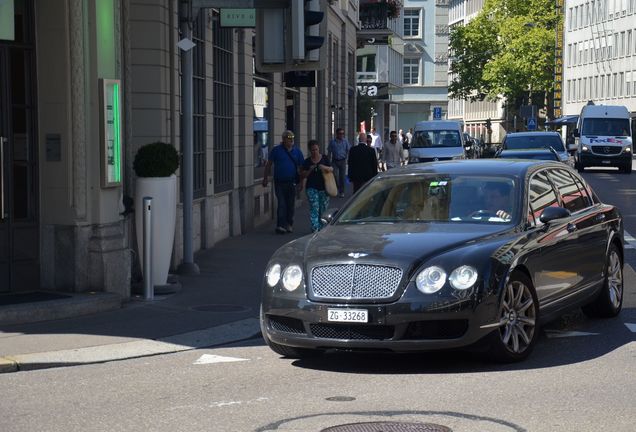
376	144
393	154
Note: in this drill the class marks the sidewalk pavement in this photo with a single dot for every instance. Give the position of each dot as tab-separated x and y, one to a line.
218	306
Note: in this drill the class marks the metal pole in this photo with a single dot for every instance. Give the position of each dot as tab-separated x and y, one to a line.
187	266
149	292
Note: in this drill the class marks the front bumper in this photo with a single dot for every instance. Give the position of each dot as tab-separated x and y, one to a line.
404	326
593	159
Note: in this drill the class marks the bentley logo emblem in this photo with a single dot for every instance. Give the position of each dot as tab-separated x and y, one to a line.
357	254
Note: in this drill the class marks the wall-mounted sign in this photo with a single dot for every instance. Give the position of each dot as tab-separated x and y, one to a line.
558	62
238	17
110	132
375	90
7	15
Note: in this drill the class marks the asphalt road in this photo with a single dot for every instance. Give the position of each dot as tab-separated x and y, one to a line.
581	377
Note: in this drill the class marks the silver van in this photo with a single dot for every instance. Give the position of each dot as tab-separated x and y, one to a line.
437	140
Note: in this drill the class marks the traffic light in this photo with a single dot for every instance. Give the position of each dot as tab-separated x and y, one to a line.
305	18
291	39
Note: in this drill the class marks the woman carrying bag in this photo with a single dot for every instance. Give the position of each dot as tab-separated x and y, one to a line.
314	168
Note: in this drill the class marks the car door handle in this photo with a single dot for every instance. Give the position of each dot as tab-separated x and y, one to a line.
571	227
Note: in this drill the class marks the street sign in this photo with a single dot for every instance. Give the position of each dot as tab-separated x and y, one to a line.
532	123
437	113
238	18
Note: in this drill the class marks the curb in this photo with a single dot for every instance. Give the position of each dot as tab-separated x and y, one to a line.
213	336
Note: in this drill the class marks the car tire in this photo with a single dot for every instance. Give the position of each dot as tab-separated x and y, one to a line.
627	169
579	166
609	301
518	329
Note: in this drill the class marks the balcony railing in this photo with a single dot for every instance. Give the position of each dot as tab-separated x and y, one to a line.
375	16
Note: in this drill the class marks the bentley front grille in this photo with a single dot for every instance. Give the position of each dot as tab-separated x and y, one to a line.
355	281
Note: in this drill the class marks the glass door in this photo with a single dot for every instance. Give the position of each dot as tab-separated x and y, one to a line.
19	228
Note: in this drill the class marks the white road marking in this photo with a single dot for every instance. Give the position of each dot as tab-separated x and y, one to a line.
630	242
631	327
562	334
212	358
229	403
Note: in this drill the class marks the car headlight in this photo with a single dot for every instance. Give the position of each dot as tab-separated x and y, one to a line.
292	276
628	150
431	279
463	277
585	148
273	275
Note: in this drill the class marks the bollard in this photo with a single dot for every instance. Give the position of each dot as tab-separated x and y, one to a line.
149	289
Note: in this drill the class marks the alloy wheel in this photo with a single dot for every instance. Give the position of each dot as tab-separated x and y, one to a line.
615	279
517	322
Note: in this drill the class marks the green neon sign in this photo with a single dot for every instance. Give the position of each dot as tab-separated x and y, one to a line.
110	114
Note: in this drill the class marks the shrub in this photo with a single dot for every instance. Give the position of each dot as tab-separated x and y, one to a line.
156	160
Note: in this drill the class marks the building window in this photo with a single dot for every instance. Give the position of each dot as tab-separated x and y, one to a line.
411	71
629	43
412	23
628	84
261	124
198	107
223	114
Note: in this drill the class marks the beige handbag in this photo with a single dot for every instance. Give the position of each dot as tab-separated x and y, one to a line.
330	183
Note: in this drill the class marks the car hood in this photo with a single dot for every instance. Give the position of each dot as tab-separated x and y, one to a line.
398	243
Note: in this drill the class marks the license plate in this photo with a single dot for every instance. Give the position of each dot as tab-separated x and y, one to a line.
348	315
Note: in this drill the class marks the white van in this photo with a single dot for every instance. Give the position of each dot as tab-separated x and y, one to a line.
437	140
604	138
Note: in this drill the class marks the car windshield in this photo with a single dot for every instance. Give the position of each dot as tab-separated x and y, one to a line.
605	127
436	138
512	142
530	155
434	198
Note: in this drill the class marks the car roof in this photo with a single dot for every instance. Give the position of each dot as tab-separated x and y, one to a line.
504	167
534	133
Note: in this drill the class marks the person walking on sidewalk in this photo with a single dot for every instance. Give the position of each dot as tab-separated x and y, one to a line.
363	164
312	170
287	160
338	151
376	144
393	152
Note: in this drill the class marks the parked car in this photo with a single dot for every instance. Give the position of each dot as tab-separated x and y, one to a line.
437	140
422	258
550	143
536	154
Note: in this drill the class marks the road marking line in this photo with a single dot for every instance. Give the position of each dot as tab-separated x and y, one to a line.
631	327
562	334
212	358
630	241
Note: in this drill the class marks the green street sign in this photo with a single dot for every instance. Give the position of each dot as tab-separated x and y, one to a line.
238	17
7	31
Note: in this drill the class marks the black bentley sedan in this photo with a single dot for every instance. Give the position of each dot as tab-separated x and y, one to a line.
445	255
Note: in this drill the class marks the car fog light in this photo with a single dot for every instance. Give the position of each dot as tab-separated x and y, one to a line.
430	280
463	277
292	276
273	275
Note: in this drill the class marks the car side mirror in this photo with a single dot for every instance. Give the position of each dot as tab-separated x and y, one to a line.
328	215
553	213
576	133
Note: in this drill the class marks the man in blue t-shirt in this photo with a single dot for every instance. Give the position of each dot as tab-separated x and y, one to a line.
286	159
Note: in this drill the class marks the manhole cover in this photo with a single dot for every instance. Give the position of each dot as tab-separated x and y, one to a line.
221	308
388	427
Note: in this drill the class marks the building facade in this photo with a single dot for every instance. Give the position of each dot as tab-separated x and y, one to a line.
425	68
476	113
72	70
600	54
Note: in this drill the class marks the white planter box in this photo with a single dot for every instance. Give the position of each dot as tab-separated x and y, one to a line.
163	191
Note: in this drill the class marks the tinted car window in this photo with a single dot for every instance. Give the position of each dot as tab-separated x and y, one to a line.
512	142
574	198
605	127
435	198
436	138
541	195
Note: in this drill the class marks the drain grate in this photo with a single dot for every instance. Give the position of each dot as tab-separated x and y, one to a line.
388	427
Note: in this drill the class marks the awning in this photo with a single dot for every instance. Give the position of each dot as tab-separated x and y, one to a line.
562	121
